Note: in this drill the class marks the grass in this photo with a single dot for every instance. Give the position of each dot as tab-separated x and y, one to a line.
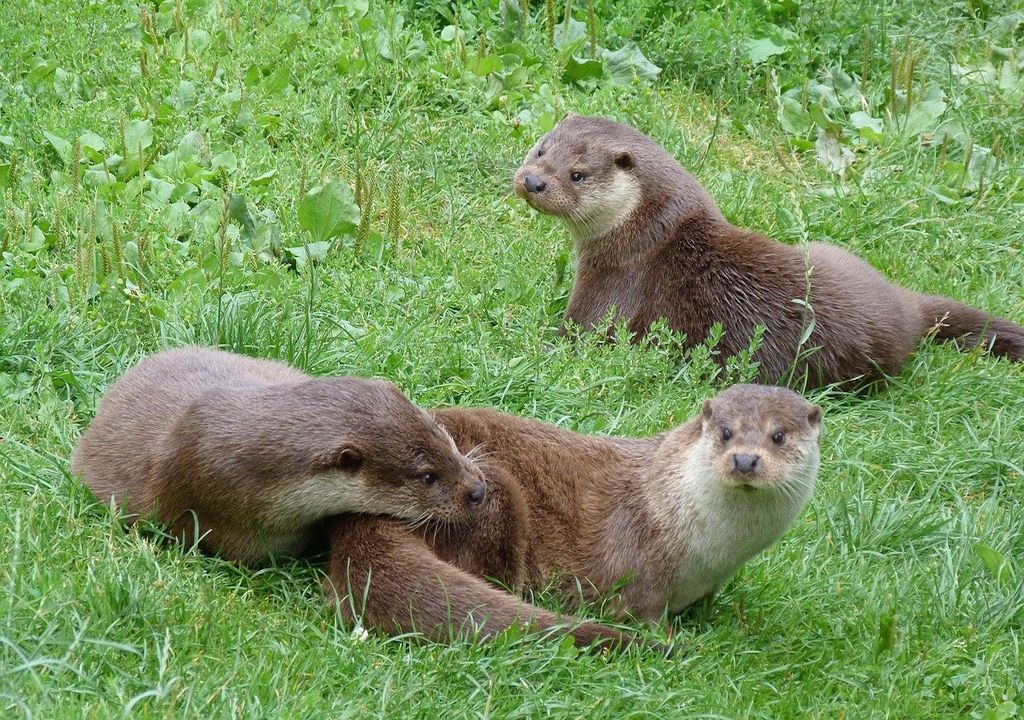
899	592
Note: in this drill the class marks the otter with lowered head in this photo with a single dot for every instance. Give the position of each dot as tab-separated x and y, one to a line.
652	524
248	455
651	242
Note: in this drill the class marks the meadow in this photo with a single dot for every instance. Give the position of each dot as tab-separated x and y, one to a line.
329	183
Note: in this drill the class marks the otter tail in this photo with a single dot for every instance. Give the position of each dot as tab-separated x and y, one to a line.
386	575
969	327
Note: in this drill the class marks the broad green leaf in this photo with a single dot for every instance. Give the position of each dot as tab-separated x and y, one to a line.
793	117
822	94
183	97
175	218
384	45
628	62
41	72
278	80
36	240
566	35
867	126
225	160
266	241
92	146
190	283
923	116
63	83
353	8
510	14
982	165
104	227
1006	710
198	40
159	190
485	65
844	85
329	211
178	163
385	37
577	69
138	135
264	178
98	177
760	49
312	252
238	210
821	117
62	146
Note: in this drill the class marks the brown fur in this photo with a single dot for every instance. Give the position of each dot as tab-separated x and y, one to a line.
393	580
258	452
670	253
633	518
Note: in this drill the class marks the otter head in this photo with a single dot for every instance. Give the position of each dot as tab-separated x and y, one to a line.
376	452
761	438
584	171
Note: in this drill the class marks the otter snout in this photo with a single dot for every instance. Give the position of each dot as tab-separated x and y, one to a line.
477	493
746	463
534	184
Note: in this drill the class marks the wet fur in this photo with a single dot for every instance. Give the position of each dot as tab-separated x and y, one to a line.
675	256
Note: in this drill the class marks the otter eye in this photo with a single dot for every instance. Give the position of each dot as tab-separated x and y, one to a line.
576	176
429	478
540	153
779	437
726	434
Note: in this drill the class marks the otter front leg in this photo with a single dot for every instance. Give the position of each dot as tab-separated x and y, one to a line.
387	576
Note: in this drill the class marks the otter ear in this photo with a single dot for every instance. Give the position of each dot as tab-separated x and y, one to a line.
707	410
570	115
814	415
624	159
348	460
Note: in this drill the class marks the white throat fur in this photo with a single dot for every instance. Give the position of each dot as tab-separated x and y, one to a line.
715	528
604	209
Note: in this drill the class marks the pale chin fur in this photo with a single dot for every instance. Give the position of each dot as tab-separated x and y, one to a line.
597	216
323	494
715	526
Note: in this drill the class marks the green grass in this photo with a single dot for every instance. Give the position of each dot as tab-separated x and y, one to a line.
899	592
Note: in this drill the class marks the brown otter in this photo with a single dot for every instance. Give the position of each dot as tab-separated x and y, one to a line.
651	242
247	455
656	523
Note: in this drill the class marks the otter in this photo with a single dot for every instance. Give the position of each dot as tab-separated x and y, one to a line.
649	525
650	242
247	455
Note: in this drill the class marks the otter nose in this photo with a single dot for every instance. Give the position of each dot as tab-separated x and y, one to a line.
745	463
534	184
477	493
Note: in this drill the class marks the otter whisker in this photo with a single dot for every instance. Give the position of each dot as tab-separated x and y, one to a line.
474	452
418	522
481	457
